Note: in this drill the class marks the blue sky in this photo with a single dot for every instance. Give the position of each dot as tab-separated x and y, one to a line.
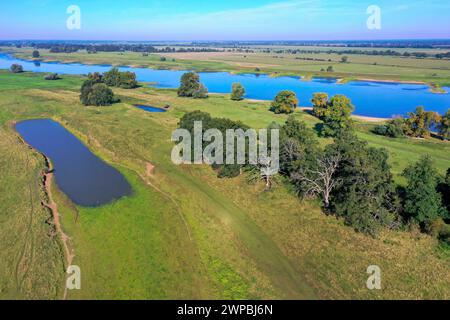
224	20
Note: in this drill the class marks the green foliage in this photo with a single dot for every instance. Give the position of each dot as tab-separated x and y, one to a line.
444	126
336	116
16	68
330	69
52	77
221	124
238	92
96	94
320	104
201	92
36	54
285	102
95	77
393	128
418	123
422	201
298	147
365	196
190	86
115	78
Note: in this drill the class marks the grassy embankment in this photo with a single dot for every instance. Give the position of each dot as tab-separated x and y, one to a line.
409	69
186	234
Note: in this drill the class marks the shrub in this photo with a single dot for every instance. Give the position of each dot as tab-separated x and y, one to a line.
201	92
285	102
52	76
36	54
393	128
336	116
162	59
115	78
16	68
237	92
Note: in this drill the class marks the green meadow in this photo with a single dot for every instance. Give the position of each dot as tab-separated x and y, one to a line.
184	233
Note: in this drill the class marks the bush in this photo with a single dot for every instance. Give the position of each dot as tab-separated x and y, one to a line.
201	92
52	76
36	54
285	102
393	129
336	116
162	59
444	126
238	92
96	94
16	68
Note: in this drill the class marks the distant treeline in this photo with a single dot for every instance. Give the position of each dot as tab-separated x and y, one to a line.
363	52
62	47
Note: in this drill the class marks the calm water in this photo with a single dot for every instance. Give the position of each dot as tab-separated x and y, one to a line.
150	109
370	98
82	176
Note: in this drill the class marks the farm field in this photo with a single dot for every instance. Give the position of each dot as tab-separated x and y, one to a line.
184	233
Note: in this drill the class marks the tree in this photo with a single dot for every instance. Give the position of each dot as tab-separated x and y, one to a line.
16	68
238	92
128	80
36	54
321	179
320	104
330	69
96	94
336	117
201	92
444	190
419	122
95	77
112	77
344	59
365	196
190	85
444	126
285	102
422	201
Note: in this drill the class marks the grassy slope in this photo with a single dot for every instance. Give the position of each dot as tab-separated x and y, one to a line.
245	243
360	66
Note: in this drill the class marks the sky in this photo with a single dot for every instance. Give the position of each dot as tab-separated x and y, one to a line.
196	20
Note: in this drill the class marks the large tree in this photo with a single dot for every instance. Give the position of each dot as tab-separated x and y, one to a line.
36	54
96	94
365	195
320	104
336	116
423	203
419	122
237	92
285	102
444	126
190	86
16	68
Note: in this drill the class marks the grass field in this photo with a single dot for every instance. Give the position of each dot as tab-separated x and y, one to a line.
429	70
184	233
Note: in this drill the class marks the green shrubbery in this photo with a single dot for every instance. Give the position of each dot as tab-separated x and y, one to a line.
52	77
115	78
16	68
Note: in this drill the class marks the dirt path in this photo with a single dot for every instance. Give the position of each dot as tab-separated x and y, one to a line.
48	178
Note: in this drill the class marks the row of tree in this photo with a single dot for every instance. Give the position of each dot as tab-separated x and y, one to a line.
95	90
418	124
191	87
352	180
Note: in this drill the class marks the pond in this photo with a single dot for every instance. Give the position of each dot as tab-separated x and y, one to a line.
82	176
150	108
373	99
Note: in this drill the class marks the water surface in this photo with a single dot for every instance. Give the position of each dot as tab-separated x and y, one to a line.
150	108
82	176
374	99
